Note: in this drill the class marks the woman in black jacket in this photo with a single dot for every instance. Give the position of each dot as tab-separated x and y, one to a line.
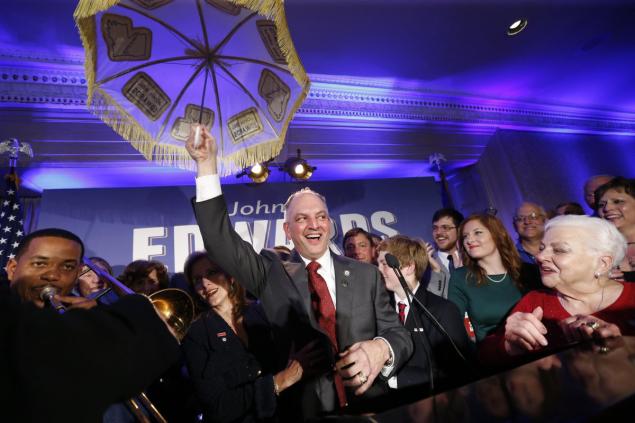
227	350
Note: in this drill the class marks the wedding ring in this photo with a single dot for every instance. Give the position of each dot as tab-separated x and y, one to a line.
362	377
593	325
604	350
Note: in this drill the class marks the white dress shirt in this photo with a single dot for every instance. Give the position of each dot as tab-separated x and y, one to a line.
398	300
443	258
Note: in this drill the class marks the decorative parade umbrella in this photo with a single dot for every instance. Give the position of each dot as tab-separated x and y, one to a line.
156	67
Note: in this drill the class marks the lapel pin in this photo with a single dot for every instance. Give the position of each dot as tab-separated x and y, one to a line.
347	273
222	335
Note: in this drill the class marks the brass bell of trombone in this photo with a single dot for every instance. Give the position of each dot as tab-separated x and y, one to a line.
176	307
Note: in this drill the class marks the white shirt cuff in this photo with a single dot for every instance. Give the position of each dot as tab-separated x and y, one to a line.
207	187
386	370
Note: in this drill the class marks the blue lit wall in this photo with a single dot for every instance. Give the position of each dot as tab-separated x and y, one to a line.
546	168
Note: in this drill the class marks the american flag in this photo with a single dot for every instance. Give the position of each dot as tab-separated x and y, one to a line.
11	221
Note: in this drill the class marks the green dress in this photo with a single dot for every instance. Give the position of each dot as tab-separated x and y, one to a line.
488	304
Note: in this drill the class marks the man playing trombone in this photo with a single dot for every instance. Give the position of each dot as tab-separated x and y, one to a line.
98	355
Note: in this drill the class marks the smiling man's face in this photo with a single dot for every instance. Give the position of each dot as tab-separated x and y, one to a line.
308	225
47	261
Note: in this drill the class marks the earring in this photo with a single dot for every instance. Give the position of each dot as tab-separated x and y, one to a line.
596	275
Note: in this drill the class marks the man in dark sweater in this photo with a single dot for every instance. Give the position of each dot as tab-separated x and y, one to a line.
69	367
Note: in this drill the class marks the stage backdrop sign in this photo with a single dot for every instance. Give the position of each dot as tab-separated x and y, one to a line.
127	224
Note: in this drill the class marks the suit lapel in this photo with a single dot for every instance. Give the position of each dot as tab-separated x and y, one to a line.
410	320
344	275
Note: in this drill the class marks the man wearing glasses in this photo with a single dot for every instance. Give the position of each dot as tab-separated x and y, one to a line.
529	222
445	257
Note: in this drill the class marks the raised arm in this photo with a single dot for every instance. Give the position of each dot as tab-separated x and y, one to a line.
223	245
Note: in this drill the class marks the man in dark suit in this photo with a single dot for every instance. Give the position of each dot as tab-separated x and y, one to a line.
313	295
448	366
69	367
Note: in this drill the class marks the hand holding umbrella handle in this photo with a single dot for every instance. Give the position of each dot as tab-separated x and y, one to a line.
197	136
202	148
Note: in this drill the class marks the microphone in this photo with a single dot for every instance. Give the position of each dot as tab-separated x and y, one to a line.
47	294
393	262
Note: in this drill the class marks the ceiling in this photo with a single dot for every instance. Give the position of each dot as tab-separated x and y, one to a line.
393	82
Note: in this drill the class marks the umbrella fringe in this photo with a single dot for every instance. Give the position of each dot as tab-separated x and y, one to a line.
88	8
115	116
86	29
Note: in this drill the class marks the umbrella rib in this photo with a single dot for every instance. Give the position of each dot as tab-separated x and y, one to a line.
142	66
260	62
250	96
178	98
203	27
232	32
161	22
220	115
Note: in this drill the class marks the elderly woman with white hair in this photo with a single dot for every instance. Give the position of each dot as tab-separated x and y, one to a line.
579	302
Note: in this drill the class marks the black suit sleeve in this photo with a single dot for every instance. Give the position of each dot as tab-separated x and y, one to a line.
448	359
103	355
226	248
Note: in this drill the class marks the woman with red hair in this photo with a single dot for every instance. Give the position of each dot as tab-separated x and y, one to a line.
493	278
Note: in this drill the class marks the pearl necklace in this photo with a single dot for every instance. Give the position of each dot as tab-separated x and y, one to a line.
497	280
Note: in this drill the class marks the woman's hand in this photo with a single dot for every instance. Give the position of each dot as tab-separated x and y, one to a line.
579	328
525	332
308	361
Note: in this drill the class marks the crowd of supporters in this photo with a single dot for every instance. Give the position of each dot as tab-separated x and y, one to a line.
472	298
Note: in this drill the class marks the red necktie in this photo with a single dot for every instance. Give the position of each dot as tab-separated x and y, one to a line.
402	312
324	311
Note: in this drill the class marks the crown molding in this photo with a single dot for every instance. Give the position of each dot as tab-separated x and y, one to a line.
44	79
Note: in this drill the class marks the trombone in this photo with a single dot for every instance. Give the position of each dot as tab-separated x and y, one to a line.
174	305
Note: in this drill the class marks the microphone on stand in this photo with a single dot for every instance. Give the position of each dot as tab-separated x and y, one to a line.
393	262
47	294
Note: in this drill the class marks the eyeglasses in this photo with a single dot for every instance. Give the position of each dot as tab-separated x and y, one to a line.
531	217
442	228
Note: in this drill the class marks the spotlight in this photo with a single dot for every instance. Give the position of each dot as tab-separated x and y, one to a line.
517	27
257	173
298	168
